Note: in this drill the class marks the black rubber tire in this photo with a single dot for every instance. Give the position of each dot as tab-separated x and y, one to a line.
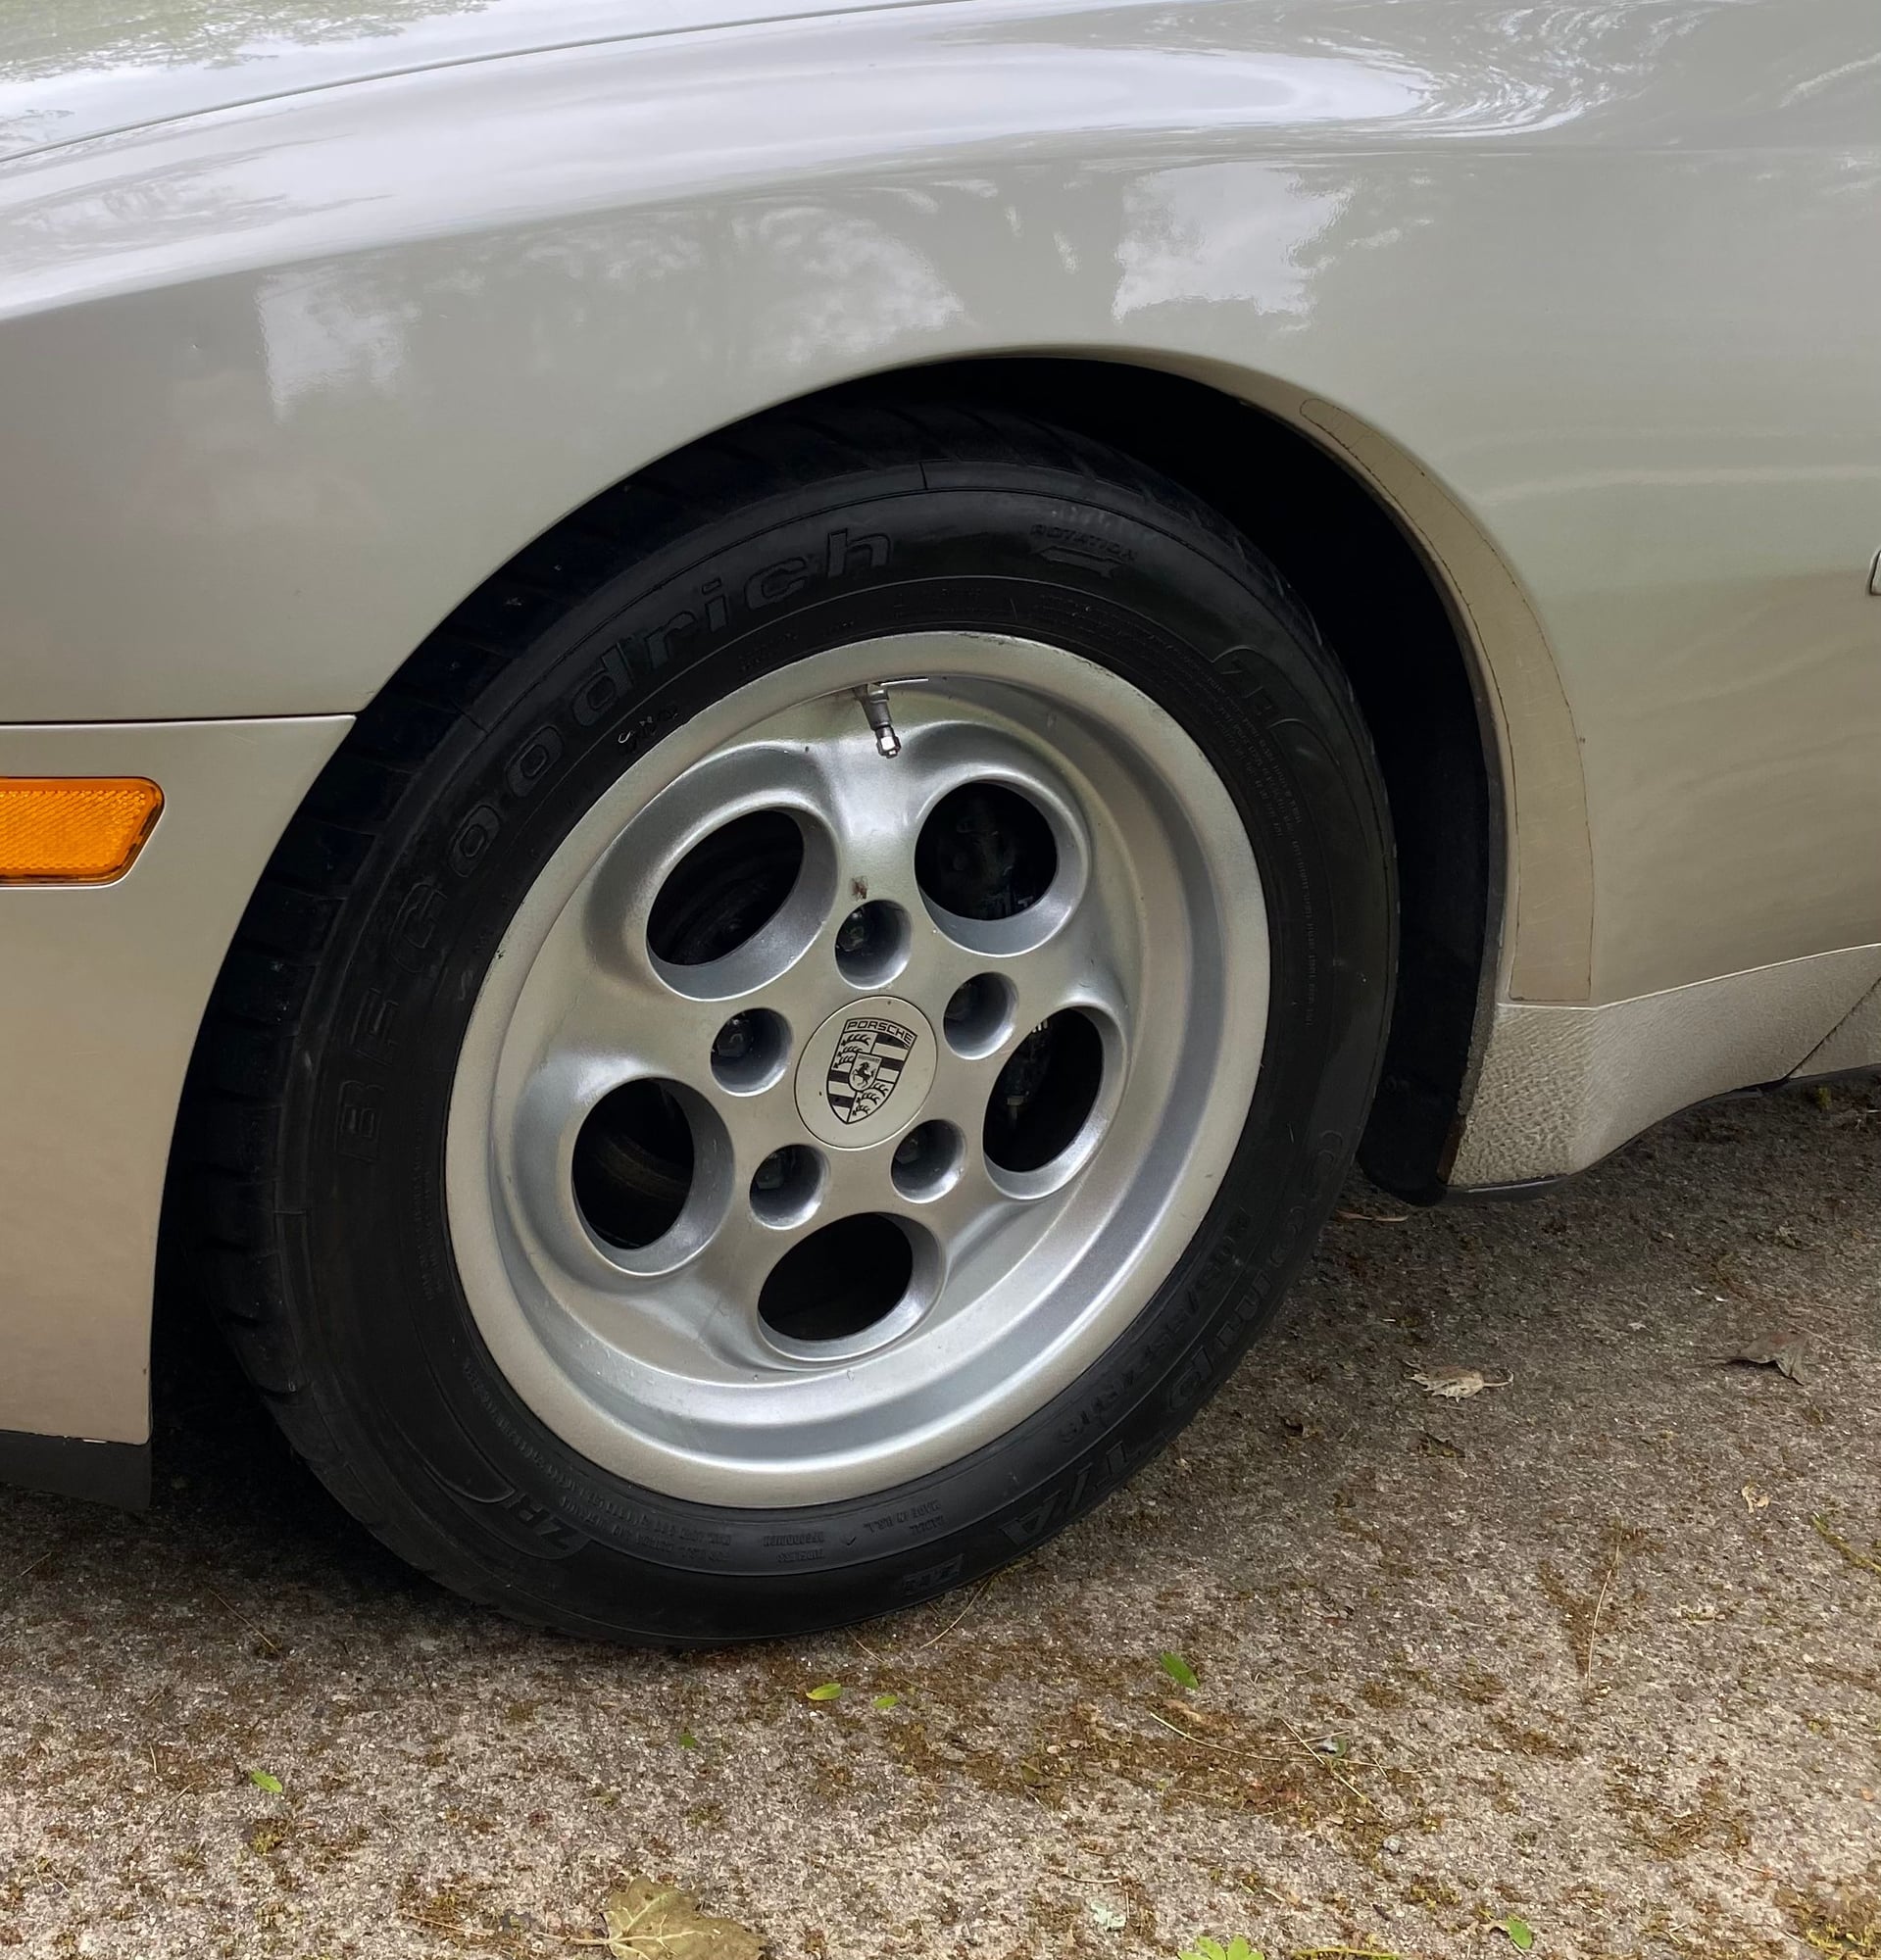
309	1189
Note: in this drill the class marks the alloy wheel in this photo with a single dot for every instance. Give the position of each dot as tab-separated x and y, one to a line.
857	1069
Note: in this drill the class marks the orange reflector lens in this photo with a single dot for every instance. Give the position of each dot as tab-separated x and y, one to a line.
73	830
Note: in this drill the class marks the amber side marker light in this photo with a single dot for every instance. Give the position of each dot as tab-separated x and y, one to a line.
73	830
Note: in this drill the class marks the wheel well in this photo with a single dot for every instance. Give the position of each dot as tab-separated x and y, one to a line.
1386	618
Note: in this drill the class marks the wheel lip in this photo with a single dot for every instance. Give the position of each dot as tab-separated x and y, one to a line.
1170	757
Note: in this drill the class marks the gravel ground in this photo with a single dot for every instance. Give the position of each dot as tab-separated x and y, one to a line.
1597	1649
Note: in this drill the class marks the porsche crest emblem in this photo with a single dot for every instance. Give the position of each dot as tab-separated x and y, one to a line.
869	1060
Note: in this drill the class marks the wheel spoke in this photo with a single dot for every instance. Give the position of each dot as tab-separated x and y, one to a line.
1085	963
722	1289
966	1214
592	1018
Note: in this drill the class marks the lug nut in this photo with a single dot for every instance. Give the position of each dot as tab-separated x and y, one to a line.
771	1173
977	1014
872	942
733	1043
928	1159
785	1187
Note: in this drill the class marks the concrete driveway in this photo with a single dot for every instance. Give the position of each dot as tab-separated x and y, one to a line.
1598	1652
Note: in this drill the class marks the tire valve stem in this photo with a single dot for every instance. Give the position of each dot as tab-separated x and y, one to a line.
874	701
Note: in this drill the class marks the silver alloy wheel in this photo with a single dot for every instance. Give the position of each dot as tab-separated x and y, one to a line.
667	1361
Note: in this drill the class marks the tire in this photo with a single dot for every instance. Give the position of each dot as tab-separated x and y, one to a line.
342	1187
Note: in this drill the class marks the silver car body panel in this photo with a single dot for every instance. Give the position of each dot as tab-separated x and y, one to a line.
1561	1087
309	325
101	988
1852	1044
69	74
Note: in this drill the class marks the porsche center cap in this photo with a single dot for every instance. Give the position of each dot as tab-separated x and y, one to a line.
866	1072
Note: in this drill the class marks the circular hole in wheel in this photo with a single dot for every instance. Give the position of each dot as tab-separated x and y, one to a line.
728	887
978	1015
1043	1095
633	1165
749	1050
985	853
928	1159
871	944
785	1187
838	1282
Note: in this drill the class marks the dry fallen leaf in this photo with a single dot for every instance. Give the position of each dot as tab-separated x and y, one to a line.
1755	1499
1787	1353
1191	1712
647	1921
1455	1383
1437	1446
1372	1217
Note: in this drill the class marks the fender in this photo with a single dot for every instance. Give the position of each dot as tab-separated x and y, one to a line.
291	377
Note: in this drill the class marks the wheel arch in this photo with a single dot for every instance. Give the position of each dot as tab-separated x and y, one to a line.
1289	472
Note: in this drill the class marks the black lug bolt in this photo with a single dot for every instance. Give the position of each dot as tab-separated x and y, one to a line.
732	1042
771	1174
